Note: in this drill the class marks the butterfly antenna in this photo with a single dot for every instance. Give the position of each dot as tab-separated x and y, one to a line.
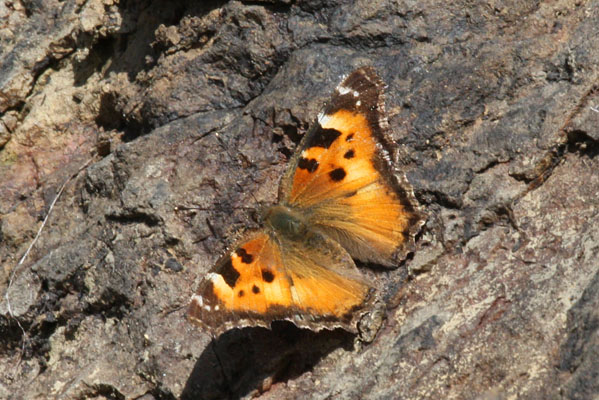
241	189
222	368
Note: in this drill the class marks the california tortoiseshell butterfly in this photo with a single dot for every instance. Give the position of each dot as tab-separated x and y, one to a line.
339	199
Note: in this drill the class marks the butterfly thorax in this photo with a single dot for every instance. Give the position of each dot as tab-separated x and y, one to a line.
285	221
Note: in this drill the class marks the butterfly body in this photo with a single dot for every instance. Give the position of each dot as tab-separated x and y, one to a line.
339	200
285	221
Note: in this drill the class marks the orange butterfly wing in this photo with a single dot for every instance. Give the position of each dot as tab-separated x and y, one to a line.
343	179
269	278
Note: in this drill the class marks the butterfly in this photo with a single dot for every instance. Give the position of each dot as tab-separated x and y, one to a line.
339	200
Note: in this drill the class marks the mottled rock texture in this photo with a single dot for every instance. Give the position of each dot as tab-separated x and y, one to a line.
183	115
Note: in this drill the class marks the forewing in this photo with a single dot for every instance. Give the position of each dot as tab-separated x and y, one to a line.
314	285
341	176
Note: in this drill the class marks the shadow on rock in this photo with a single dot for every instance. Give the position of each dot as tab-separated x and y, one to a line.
252	359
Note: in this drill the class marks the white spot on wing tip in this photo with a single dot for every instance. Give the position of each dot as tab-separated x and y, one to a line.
356	93
322	118
212	276
343	90
358	103
198	299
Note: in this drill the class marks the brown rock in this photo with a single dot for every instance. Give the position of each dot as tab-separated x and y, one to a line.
494	107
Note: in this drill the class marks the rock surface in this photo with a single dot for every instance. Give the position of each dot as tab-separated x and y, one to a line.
174	121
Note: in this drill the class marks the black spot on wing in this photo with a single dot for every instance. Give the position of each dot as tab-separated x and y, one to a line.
255	289
349	154
309	164
349	137
229	273
241	293
324	137
337	174
267	276
246	258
